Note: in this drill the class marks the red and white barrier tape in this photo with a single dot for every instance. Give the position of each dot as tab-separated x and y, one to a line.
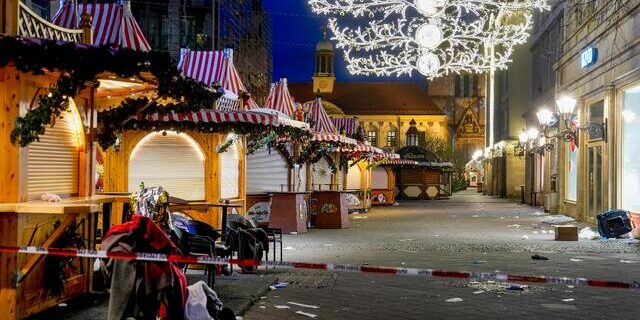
420	272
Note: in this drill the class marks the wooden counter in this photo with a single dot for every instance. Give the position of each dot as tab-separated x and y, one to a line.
289	211
330	208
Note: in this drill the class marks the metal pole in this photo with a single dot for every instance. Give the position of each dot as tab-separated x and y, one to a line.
492	90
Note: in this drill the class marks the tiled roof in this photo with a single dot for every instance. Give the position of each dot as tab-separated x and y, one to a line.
373	98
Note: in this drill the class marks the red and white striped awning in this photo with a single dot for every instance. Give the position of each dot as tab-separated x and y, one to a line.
214	66
113	23
212	116
280	99
320	121
348	125
331	137
363	147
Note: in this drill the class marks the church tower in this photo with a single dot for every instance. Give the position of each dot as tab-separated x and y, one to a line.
323	78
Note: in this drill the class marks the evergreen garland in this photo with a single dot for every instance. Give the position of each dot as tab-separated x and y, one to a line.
79	66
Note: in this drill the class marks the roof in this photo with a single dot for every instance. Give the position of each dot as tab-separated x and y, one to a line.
373	98
324	46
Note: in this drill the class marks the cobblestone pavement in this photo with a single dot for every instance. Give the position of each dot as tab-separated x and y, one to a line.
468	232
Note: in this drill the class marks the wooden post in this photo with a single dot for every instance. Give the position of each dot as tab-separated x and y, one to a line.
10	186
242	179
87	28
10	14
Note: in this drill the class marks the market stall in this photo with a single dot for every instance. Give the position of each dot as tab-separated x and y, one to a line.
383	180
276	186
429	178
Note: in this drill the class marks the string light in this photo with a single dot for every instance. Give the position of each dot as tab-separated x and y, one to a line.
435	37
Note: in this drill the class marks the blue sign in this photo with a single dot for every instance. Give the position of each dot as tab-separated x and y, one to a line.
588	57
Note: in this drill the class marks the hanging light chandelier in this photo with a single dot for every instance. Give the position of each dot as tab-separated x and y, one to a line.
435	37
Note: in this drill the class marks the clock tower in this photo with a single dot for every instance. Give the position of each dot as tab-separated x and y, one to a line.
323	78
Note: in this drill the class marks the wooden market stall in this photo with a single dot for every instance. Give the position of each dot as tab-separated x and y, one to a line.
46	112
276	187
428	178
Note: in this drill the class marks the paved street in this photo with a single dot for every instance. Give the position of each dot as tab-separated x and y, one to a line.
468	232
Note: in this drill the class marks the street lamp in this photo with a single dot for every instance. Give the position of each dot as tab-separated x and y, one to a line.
477	155
565	121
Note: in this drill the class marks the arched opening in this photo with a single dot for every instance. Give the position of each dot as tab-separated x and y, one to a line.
379	178
171	160
54	160
354	178
230	171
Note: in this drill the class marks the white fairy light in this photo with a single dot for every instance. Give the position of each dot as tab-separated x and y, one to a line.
393	37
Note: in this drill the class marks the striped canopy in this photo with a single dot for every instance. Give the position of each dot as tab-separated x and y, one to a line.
320	121
211	116
332	137
213	66
397	162
348	125
280	99
113	23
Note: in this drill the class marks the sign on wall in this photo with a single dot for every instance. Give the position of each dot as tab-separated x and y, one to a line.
588	57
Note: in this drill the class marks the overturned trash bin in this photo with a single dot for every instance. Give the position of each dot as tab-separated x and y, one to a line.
613	223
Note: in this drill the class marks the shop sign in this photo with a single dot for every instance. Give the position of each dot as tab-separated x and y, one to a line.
588	57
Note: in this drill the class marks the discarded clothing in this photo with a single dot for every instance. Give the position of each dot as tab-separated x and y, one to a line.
203	303
143	290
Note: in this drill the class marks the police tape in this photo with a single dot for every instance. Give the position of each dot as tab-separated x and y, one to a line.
419	272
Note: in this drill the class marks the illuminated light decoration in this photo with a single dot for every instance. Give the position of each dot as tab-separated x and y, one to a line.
390	39
566	104
194	144
523	137
429	7
428	36
545	116
428	64
532	133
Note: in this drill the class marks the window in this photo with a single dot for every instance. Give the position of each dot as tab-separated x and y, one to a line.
392	137
596	115
372	136
412	139
572	173
630	161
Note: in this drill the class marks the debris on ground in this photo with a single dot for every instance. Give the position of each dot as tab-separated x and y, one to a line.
360	217
303	305
280	285
405	240
568	300
288	248
525	237
558	219
306	314
480	262
280	306
500	288
539	213
628	261
587	234
538	257
575	260
454	300
517	226
293	233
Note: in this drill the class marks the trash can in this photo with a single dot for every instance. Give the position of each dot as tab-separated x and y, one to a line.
479	187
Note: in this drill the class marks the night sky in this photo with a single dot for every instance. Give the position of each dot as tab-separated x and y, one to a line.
296	30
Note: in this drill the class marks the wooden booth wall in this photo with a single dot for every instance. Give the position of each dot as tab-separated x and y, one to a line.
321	175
382	186
419	183
56	164
230	170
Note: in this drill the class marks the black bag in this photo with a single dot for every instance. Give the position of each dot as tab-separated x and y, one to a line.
613	223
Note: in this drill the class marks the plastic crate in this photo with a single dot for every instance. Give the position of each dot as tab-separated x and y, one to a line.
613	223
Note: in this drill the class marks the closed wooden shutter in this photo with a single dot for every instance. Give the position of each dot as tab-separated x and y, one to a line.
412	176
53	165
230	173
432	177
321	173
354	178
266	172
379	178
173	162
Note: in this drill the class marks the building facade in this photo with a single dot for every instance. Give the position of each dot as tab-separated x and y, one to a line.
242	25
462	98
386	111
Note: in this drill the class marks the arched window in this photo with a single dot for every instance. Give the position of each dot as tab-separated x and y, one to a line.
392	138
372	136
